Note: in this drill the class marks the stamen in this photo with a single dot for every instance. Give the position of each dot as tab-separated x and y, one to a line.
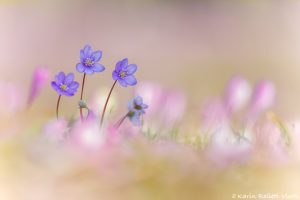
63	87
122	74
137	107
88	62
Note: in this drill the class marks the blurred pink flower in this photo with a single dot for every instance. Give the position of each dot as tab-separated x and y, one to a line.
152	94
113	135
237	94
173	107
56	130
262	99
166	106
11	99
269	143
87	136
212	115
39	79
226	149
295	139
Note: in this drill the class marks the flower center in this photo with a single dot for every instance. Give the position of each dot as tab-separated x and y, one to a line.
137	107
122	74
63	87
88	62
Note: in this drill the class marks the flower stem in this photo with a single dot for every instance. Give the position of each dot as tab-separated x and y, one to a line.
57	106
81	95
108	97
118	124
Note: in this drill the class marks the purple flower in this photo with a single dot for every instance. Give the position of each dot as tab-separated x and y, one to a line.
136	109
89	61
123	73
65	84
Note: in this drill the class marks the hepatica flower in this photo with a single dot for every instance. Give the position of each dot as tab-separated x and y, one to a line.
64	85
88	65
124	73
136	108
89	61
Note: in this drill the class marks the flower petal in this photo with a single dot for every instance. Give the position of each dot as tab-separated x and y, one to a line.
138	100
68	93
71	91
122	82
136	120
54	85
115	75
80	67
145	106
57	88
130	80
87	51
98	68
60	77
69	79
131	105
130	69
74	85
88	70
96	56
124	62
82	56
118	66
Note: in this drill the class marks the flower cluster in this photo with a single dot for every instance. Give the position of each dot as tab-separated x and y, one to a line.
65	85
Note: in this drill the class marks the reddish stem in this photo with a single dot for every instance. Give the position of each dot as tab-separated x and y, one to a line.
81	95
118	124
108	97
57	106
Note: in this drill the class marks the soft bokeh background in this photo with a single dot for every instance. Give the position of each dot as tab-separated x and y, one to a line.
195	46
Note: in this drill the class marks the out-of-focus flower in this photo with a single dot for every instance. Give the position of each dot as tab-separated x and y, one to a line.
124	73
136	109
56	130
87	135
65	84
212	115
295	144
89	61
173	107
39	79
152	93
269	143
11	99
168	105
226	149
262	99
237	94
